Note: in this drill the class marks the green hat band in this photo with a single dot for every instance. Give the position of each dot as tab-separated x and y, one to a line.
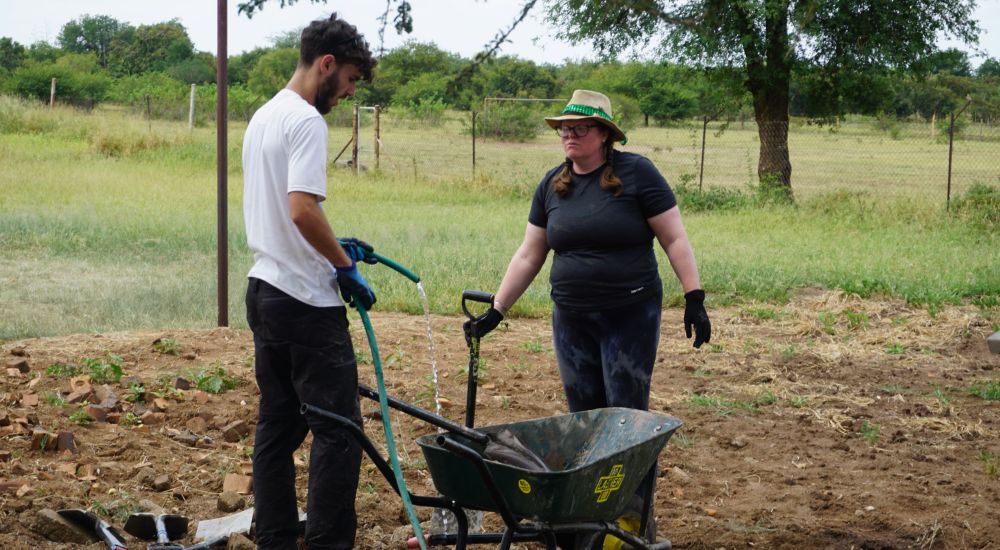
587	110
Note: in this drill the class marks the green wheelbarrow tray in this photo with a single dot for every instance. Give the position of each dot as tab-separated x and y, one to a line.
597	459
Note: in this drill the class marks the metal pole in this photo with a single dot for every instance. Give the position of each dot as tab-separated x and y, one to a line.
354	140
191	110
378	135
52	94
222	165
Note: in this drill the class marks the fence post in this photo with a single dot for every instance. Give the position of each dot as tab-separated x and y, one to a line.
191	110
354	140
951	140
378	135
701	168
52	94
473	145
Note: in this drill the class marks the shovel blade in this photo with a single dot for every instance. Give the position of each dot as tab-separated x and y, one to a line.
144	526
141	526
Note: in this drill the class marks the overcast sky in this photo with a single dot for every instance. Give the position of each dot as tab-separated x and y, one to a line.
459	26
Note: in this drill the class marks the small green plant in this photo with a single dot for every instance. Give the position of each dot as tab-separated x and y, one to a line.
896	349
129	419
534	347
715	348
117	509
104	371
856	320
790	352
80	417
989	391
505	402
166	346
892	389
135	393
869	432
53	399
762	314
63	370
214	379
247	451
827	321
991	463
798	401
683	441
765	397
942	397
361	358
701	373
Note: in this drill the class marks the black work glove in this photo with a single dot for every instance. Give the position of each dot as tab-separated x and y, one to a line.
696	317
482	325
357	249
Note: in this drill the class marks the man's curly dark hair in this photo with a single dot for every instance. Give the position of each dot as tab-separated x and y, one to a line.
339	38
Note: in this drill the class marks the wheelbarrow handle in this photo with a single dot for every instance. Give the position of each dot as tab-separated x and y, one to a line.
475	296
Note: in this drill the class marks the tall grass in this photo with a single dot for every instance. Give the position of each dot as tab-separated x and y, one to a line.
96	242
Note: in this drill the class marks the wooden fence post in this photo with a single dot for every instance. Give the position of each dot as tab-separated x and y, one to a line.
191	110
378	135
52	94
354	135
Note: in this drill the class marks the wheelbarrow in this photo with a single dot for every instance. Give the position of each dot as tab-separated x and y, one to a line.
595	461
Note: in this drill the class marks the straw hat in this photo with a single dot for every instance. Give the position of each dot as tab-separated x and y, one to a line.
588	105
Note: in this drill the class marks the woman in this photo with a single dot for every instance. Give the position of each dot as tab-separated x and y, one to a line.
599	211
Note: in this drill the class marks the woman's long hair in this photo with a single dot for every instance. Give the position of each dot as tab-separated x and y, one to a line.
563	182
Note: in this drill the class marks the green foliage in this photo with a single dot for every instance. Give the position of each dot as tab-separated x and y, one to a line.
869	432
272	71
991	463
214	380
104	371
712	198
989	390
54	399
81	417
149	48
63	370
92	33
980	207
72	86
135	393
18	117
509	121
12	54
199	69
166	346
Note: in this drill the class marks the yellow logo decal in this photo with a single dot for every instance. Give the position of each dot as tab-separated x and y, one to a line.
609	483
524	486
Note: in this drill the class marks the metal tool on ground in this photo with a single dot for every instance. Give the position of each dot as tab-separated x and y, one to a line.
92	524
163	528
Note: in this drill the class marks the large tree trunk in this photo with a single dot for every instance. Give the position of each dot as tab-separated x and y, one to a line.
774	167
769	71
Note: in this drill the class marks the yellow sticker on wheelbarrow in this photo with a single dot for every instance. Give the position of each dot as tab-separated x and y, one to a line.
611	482
524	486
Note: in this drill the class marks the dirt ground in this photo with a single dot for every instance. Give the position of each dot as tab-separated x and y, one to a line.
829	422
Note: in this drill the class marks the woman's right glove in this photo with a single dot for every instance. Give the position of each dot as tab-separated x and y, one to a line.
354	287
482	325
696	317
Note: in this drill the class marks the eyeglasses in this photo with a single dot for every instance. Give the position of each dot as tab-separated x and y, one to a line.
578	131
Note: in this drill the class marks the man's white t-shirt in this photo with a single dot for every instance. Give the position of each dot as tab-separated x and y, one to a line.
284	150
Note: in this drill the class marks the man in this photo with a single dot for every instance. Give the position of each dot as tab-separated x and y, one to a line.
302	345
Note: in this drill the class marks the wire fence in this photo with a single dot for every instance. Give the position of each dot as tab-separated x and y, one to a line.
873	157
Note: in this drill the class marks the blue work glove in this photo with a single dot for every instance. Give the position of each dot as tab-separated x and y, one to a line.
354	287
696	317
482	325
357	250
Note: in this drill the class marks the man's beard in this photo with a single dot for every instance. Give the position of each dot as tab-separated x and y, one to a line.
327	89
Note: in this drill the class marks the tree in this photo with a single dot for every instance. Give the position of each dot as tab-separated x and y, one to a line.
11	54
150	48
769	40
91	34
989	68
950	61
272	71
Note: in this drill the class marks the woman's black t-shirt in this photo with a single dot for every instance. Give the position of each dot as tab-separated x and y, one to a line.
603	244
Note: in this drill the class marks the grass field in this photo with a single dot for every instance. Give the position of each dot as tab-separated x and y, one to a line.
107	222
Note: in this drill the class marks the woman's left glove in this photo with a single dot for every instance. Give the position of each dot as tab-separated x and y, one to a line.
482	325
696	317
354	287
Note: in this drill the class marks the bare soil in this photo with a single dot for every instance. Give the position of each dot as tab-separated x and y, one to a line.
829	422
